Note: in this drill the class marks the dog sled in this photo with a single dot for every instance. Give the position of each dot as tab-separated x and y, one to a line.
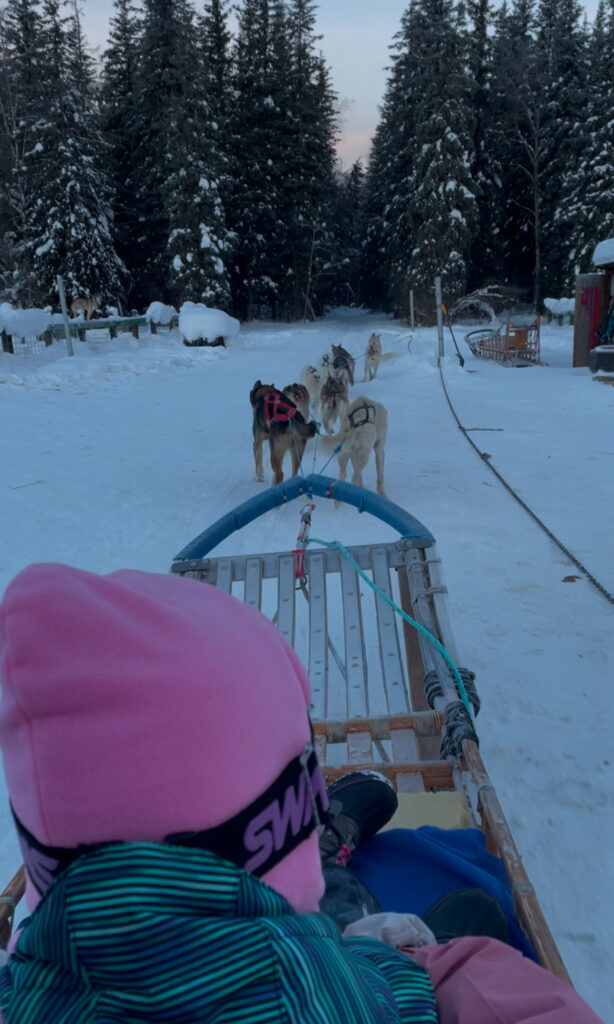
515	344
371	625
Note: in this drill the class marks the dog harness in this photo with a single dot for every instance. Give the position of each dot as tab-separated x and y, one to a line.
361	415
277	408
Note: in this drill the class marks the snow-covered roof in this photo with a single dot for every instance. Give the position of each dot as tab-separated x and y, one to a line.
604	253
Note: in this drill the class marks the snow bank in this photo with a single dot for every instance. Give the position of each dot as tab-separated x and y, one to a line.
158	313
199	323
560	307
22	323
604	253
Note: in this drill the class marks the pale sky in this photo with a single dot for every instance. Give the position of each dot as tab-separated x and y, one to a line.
356	39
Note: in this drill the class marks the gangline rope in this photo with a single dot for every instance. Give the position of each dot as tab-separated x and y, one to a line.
555	540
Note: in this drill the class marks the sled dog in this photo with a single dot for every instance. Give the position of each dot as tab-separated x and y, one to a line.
87	305
312	378
364	426
333	400
278	421
325	366
343	364
374	356
298	394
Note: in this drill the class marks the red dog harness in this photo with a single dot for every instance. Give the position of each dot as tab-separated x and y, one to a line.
277	408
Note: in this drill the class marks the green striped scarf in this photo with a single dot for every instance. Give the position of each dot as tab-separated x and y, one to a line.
145	932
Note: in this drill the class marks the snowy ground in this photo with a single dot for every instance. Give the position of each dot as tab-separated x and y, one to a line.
121	455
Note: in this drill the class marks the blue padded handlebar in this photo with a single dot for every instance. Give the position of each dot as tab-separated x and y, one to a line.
280	494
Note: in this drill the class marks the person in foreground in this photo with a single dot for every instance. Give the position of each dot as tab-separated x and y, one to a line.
168	802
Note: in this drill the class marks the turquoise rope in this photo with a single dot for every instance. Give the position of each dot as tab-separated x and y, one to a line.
412	622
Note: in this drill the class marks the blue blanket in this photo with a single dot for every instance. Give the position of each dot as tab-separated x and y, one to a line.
408	870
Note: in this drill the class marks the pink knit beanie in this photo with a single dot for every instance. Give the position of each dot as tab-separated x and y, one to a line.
136	706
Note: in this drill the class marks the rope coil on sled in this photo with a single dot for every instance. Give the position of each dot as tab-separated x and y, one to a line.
433	688
459	727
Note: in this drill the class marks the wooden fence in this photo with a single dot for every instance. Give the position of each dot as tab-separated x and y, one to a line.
86	330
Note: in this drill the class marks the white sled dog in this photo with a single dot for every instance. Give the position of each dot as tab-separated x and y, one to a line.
312	378
374	356
364	426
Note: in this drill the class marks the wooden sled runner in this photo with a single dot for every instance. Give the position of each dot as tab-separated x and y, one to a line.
387	694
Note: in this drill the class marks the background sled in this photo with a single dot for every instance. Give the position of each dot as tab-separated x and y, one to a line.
384	696
515	344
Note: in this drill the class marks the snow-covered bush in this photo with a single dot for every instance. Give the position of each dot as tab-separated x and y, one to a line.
562	309
199	325
158	313
22	323
559	307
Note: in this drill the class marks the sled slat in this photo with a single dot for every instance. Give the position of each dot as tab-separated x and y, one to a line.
356	667
410	782
285	595
392	667
224	575
318	646
404	745
320	745
360	748
253	582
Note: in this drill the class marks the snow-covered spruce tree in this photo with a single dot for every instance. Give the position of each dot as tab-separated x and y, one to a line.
23	108
215	41
282	161
519	89
390	162
118	121
182	236
342	278
429	213
561	50
259	132
68	227
311	164
486	261
586	210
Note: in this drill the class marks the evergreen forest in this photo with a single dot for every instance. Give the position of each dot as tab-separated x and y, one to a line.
194	158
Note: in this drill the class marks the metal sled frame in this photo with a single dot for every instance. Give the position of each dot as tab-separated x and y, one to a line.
367	666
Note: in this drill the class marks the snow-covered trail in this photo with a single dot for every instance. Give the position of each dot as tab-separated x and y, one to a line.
120	457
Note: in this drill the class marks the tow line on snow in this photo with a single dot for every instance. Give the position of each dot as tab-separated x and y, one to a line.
487	460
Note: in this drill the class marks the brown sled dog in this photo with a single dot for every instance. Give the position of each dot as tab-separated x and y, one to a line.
299	394
343	364
333	400
364	426
374	356
278	421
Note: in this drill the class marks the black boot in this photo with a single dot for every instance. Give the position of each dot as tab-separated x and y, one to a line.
361	803
466	912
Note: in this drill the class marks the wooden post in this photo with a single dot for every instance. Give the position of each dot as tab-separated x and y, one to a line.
438	300
60	285
411	310
591	303
7	343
